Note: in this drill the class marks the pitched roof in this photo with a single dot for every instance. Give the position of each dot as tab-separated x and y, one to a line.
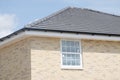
79	20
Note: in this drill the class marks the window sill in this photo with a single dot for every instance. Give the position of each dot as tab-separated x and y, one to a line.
72	67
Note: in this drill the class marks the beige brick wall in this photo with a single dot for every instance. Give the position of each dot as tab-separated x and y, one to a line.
15	61
101	60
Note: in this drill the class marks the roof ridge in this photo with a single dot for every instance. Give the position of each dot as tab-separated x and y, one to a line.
64	9
49	16
97	11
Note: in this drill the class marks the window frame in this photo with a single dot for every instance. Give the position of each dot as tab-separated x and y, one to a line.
61	53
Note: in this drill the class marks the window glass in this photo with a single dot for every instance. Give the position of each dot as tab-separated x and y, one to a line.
70	53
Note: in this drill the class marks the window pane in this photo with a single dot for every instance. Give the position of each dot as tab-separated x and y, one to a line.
68	62
67	43
72	43
77	50
77	56
72	49
63	43
68	56
77	44
64	56
64	49
73	56
73	62
64	62
77	62
68	49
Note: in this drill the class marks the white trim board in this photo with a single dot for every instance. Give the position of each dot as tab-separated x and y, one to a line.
26	34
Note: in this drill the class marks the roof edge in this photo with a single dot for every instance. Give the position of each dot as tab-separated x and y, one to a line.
47	17
48	30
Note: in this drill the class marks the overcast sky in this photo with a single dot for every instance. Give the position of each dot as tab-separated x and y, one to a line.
14	14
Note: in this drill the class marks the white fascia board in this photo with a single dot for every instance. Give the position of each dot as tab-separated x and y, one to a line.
13	39
26	34
73	36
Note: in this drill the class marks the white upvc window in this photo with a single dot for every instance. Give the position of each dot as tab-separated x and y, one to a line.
71	54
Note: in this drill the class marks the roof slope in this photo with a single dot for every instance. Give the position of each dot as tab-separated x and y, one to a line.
80	20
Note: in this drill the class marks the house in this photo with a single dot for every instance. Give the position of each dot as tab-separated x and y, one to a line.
71	44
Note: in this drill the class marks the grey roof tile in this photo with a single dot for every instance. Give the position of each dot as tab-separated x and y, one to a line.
80	20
